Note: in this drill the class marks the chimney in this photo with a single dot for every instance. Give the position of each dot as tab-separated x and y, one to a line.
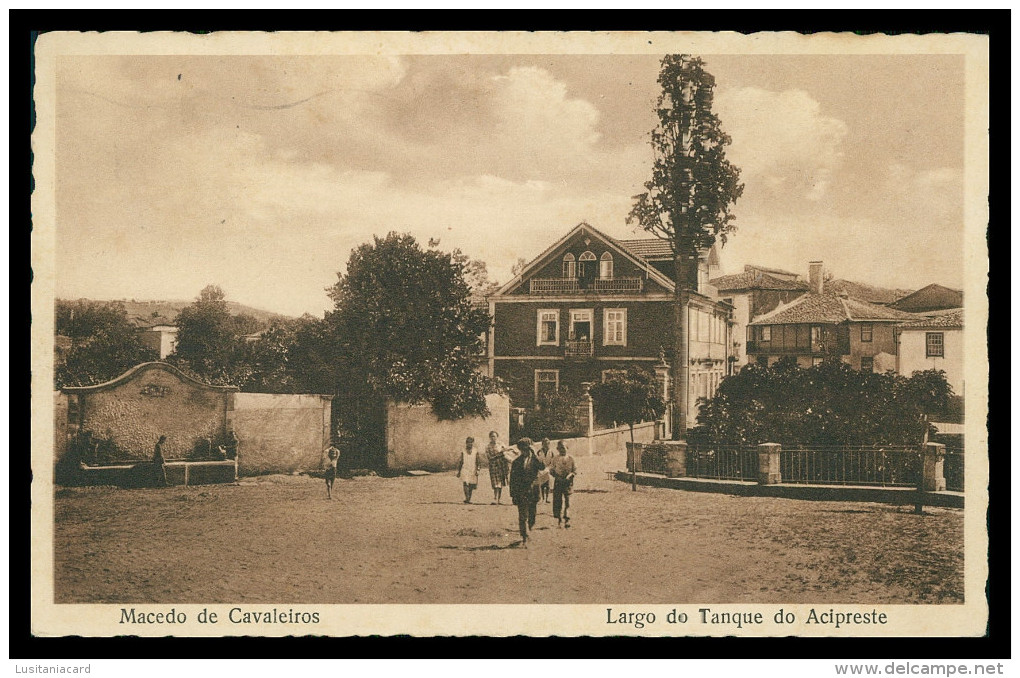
815	277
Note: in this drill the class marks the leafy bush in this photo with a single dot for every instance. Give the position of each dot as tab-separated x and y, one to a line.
827	404
556	416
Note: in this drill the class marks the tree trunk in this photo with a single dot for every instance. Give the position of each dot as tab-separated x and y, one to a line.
680	353
633	461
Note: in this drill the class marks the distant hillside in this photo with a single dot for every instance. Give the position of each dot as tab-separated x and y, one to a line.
165	311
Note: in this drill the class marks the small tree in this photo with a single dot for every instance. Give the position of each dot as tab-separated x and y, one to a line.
630	397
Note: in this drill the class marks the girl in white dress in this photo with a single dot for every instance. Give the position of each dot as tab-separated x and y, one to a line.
468	469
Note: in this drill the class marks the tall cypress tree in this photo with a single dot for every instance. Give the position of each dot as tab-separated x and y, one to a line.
687	201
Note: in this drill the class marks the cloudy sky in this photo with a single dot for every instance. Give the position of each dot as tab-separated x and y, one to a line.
260	174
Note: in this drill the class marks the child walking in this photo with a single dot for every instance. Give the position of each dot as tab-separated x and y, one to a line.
468	469
332	456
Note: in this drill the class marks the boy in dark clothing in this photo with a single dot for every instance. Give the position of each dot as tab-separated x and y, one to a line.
159	463
524	487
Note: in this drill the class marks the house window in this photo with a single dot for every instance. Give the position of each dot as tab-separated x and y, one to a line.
606	374
934	345
548	327
569	266
606	266
580	324
546	382
586	266
866	331
703	327
867	364
766	333
615	327
816	338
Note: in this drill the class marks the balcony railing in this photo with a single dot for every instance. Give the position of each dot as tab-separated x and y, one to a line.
554	286
775	348
578	349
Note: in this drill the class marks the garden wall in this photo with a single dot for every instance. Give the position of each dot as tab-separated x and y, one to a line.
127	415
280	433
416	439
608	441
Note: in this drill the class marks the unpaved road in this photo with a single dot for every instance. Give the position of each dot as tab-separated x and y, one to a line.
412	540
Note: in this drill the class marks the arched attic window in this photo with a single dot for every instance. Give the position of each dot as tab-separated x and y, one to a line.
606	266
569	270
586	265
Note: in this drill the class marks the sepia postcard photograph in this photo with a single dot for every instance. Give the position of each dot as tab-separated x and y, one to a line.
572	334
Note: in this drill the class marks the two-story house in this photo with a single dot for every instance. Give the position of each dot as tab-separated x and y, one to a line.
817	326
755	291
933	343
589	305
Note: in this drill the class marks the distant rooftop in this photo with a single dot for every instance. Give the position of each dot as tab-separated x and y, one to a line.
864	292
943	320
931	298
755	279
766	269
830	309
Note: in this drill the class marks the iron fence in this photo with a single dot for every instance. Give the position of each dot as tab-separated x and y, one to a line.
722	462
952	469
886	466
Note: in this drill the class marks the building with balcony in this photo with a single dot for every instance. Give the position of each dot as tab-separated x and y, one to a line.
819	325
753	292
590	304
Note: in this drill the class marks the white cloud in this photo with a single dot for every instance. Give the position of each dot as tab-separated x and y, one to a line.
537	116
781	140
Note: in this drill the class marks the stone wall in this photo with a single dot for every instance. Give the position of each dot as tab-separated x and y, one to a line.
608	441
150	400
416	439
280	433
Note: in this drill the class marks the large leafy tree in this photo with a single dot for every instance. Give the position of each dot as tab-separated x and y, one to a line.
207	341
827	404
405	323
103	342
687	201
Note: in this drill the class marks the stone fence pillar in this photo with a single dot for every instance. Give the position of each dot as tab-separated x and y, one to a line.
933	477
676	458
768	464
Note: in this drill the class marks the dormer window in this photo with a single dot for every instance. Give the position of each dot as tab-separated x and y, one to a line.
586	266
569	266
606	266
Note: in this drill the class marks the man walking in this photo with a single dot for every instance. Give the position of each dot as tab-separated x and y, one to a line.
524	487
563	470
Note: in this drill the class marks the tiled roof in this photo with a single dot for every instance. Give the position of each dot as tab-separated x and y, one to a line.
946	320
766	269
648	248
874	295
829	309
757	280
930	298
